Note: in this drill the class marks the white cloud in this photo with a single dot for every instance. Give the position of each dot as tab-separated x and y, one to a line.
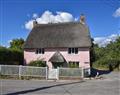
35	15
103	41
9	41
49	17
29	25
117	13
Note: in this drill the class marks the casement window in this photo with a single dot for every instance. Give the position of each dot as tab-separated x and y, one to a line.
40	51
73	50
73	64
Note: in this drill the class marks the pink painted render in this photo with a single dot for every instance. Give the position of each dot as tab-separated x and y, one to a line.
83	56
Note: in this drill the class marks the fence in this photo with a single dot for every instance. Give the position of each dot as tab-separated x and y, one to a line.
23	70
42	72
70	73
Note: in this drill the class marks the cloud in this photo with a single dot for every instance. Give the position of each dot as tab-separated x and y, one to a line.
117	13
49	17
103	41
9	41
29	25
35	15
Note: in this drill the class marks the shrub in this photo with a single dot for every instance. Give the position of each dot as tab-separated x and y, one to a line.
11	56
38	63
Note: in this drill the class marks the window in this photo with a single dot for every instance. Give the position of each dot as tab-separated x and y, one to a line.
69	50
76	50
36	51
73	64
73	50
40	51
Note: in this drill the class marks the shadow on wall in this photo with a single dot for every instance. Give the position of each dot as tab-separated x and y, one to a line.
101	72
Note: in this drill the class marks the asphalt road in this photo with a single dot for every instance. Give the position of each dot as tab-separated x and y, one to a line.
110	85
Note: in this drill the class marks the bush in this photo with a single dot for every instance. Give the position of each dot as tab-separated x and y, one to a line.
38	63
11	56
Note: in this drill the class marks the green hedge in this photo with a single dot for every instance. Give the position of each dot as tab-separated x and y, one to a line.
38	63
11	56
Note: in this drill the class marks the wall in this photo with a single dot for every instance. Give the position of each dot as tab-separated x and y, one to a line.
82	56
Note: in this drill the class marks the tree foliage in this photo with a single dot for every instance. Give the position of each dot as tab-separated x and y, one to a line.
107	56
11	56
14	54
17	44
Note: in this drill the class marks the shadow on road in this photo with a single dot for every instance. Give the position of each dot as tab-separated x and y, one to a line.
41	88
101	72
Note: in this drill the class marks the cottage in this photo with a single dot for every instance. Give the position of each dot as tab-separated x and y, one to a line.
59	44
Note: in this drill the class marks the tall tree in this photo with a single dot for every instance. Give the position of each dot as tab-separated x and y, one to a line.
92	52
17	44
108	56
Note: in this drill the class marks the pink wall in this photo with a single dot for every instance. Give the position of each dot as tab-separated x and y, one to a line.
82	56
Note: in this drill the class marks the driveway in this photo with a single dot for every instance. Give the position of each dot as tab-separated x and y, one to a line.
110	85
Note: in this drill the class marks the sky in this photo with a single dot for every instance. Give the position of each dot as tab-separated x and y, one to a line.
16	17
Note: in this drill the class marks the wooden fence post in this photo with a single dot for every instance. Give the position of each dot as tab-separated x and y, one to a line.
0	69
20	69
46	72
58	73
82	72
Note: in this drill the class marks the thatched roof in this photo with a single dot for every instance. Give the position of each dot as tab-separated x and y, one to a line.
72	34
57	57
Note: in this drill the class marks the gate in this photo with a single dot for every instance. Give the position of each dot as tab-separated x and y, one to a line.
53	74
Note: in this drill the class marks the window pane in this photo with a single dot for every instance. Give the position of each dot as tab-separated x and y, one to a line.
36	51
73	50
76	50
39	51
42	50
77	64
69	50
73	64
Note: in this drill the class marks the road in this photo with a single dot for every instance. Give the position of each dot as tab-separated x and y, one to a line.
110	85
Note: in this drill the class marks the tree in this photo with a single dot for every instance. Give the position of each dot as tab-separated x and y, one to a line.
17	44
92	52
114	53
10	56
14	54
109	56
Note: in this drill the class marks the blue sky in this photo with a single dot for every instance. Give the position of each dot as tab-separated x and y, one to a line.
100	18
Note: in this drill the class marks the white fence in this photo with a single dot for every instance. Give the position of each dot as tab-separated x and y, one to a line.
23	70
40	71
71	72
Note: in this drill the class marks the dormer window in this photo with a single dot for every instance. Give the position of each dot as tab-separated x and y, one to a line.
40	51
73	50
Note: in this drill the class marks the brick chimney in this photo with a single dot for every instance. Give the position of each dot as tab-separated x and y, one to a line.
82	18
35	23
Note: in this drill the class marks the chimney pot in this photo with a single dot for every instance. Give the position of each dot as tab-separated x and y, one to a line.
35	23
82	19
